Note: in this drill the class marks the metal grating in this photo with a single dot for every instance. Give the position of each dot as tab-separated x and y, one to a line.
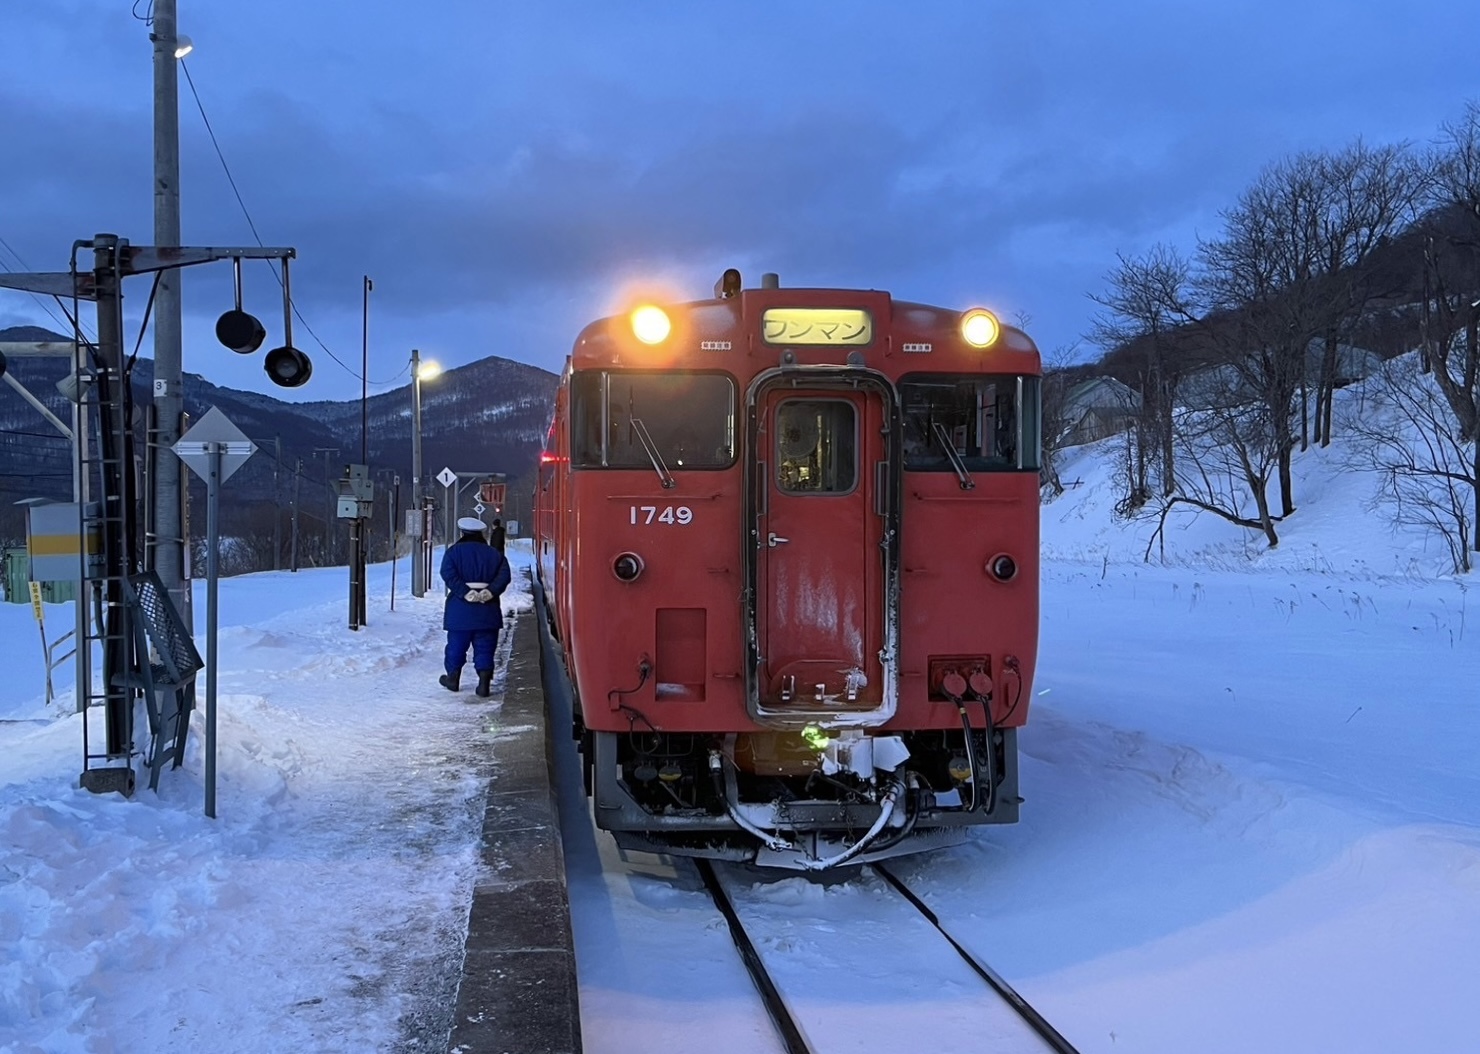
178	659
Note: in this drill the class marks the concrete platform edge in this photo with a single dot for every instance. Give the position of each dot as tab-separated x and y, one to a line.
518	990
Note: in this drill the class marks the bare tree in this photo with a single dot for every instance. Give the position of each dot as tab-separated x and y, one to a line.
1228	450
1408	437
1451	308
1255	278
1057	380
1147	301
1366	195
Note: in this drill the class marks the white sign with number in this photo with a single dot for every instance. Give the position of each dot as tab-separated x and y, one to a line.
447	477
646	514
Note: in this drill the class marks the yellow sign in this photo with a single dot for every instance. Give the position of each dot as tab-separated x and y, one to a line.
36	600
817	325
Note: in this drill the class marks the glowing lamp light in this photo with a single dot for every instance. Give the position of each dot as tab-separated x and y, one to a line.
814	737
183	46
427	370
650	324
980	328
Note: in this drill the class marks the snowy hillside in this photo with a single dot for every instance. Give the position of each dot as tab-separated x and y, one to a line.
1340	525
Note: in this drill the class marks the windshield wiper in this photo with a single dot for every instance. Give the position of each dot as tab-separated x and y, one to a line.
652	452
944	440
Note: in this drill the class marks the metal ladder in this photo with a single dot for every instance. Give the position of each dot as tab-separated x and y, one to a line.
113	521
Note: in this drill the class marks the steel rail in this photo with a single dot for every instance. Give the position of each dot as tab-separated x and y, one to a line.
786	1025
1032	1017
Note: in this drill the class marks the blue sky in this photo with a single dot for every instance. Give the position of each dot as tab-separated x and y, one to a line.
506	173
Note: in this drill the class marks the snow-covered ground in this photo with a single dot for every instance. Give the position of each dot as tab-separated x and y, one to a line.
1252	822
324	910
1252	817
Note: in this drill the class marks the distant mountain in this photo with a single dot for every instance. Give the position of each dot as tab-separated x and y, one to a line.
487	416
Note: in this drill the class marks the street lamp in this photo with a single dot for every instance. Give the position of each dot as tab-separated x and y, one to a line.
421	564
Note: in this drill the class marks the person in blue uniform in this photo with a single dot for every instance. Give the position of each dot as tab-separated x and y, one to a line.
476	575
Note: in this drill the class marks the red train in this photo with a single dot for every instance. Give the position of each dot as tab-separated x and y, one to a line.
788	542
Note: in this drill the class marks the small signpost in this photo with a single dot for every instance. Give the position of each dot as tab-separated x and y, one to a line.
214	449
40	614
448	479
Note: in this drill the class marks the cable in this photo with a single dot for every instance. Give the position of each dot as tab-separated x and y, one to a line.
144	325
34	296
250	223
33	435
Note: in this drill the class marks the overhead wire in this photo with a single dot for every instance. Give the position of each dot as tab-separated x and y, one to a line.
34	296
221	156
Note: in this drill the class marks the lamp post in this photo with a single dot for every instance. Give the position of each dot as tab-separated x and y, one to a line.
166	470
420	562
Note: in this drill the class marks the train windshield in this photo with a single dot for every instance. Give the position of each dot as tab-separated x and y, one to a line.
990	422
624	419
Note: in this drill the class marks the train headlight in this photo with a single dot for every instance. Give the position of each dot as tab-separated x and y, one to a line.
1002	567
627	567
651	324
980	328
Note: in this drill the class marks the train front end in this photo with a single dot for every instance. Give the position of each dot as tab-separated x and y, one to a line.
791	540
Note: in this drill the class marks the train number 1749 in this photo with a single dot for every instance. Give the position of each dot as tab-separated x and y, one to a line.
680	514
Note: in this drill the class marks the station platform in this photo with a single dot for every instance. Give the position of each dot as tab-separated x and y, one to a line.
518	990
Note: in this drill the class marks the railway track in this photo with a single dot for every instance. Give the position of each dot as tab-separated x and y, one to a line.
993	1018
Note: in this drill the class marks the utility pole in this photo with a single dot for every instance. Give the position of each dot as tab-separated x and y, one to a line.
329	494
415	428
167	471
277	505
418	573
365	377
297	486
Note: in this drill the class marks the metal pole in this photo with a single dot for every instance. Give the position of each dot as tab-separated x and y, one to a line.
277	505
365	377
426	545
395	556
213	498
116	473
418	575
449	497
169	535
355	582
328	513
297	488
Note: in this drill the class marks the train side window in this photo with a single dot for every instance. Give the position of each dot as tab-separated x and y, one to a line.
816	446
688	416
990	421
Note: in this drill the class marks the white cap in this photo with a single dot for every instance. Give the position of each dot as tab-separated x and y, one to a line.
471	523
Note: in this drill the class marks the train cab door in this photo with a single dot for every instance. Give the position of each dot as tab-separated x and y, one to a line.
823	598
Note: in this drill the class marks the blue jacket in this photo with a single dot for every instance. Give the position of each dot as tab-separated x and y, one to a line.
473	560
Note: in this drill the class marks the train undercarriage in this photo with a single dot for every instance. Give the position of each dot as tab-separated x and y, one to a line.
806	800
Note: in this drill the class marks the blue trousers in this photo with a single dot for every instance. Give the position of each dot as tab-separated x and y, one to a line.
484	642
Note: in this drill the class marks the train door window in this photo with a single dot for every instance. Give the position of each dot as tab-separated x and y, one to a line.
816	446
991	422
686	417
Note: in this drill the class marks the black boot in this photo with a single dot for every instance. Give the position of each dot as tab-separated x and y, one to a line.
485	683
450	681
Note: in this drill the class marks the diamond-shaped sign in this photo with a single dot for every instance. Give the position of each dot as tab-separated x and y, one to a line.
447	477
214	431
478	509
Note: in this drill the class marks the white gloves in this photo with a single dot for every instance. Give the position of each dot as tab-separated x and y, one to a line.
478	593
